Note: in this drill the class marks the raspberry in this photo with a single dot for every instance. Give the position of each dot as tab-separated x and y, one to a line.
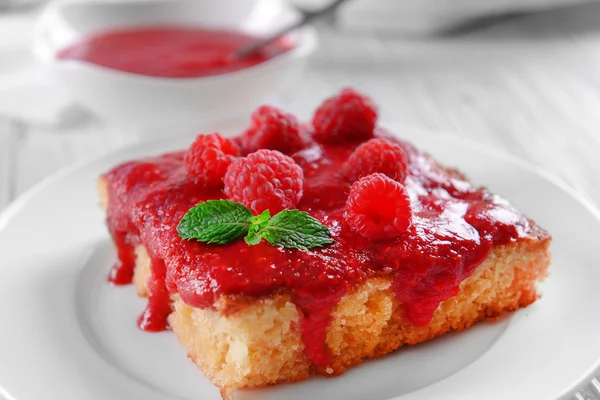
208	157
376	155
265	180
378	208
271	128
349	115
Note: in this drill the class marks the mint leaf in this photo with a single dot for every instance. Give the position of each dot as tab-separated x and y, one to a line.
253	238
260	221
216	221
296	229
257	225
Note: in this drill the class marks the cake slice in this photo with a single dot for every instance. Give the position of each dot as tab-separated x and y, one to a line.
413	249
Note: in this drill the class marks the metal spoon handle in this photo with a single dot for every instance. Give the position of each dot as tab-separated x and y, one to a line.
307	18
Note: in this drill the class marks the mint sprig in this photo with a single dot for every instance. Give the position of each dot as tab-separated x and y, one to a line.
223	221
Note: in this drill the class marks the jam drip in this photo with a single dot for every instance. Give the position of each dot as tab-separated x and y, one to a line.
454	228
154	317
316	316
122	272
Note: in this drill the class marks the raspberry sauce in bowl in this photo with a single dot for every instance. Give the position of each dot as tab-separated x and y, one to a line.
184	90
171	52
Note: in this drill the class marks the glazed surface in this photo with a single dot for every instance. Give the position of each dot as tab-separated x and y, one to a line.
454	226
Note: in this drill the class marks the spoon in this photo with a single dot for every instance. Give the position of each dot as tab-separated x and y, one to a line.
307	18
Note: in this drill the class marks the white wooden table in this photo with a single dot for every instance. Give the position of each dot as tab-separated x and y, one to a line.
529	86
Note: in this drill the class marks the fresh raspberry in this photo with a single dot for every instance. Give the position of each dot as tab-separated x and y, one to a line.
265	180
376	155
349	115
271	128
378	207
208	157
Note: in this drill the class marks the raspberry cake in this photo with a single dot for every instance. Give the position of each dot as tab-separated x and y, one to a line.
356	243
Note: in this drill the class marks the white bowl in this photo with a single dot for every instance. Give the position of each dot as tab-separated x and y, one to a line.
169	104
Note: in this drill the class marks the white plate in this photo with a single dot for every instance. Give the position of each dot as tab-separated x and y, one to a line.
65	333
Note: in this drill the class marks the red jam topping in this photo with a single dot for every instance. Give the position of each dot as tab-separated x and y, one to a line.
170	52
454	226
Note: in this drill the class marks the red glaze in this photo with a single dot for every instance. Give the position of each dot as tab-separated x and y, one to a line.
170	52
454	227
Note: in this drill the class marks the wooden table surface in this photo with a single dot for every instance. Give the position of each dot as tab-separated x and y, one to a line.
529	86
